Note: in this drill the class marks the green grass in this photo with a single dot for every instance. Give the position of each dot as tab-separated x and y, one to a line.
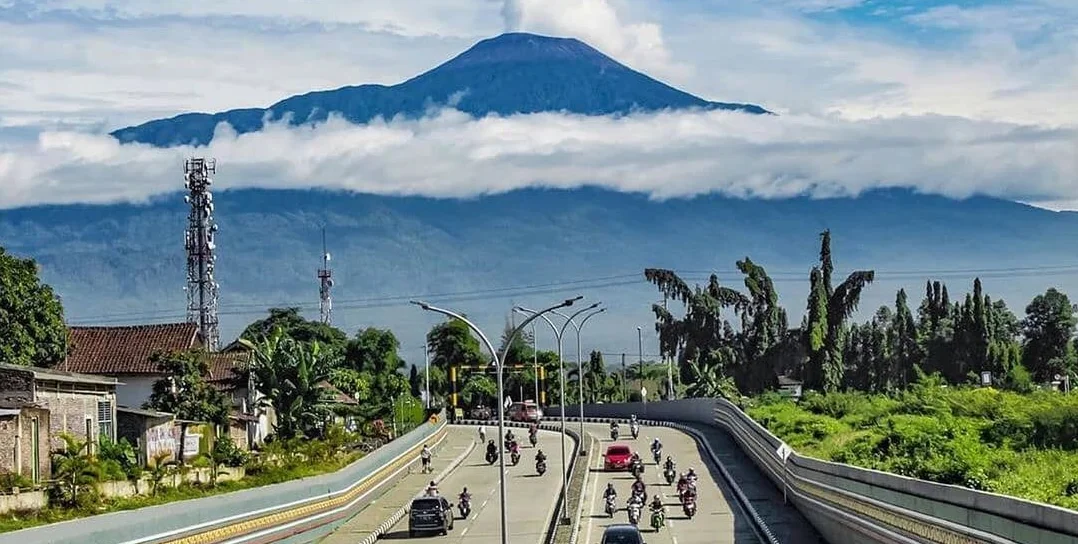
1003	442
13	521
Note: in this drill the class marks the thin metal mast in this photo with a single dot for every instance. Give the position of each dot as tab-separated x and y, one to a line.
325	278
202	289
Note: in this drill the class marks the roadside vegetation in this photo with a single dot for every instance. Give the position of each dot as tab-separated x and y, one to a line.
1019	444
900	392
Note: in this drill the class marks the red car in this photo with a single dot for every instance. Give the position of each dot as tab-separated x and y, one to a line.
617	457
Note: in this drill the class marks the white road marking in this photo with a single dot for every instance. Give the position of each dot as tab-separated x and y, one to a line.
465	531
594	494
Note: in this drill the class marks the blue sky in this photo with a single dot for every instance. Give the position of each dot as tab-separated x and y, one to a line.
855	76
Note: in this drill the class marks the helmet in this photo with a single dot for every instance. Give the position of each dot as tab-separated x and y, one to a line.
465	489
432	484
609	484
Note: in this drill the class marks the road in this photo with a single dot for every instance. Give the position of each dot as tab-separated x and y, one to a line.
530	497
718	520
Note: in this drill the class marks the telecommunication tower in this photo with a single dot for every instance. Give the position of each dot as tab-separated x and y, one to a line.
325	278
198	241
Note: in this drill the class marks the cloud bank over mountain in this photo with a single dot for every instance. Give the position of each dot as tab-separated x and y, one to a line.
668	154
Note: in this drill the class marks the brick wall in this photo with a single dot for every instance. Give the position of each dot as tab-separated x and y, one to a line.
44	464
9	441
69	414
16	385
8	429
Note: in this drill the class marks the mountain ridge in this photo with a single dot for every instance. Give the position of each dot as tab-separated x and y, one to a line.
514	73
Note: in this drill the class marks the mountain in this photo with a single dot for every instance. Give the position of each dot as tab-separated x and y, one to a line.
511	73
124	263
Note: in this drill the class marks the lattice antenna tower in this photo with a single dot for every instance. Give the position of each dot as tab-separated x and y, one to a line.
325	279
201	249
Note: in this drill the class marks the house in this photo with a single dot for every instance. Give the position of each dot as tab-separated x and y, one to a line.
790	387
149	431
125	352
341	404
24	440
81	405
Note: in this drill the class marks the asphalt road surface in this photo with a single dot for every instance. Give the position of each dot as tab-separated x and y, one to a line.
718	520
530	500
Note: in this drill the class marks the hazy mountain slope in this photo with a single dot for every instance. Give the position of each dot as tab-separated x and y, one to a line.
124	258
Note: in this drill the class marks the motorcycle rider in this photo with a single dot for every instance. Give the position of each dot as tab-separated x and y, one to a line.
432	489
656	446
669	465
689	495
464	497
657	504
610	491
639	488
613	426
533	428
492	448
482	434
691	476
540	457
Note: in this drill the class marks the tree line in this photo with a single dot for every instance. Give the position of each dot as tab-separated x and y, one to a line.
729	341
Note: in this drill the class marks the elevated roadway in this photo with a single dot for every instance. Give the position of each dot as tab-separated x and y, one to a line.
718	519
531	498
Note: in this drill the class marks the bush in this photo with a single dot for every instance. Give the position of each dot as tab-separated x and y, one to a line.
980	438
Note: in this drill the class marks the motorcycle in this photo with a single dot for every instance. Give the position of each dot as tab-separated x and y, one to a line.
634	513
637	468
685	492
465	507
515	457
669	475
540	467
658	519
690	508
611	506
491	457
614	433
534	439
640	496
635	429
658	456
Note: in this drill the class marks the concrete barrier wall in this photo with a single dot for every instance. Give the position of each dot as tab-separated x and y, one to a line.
167	522
851	504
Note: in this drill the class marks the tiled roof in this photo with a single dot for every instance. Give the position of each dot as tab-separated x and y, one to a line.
221	365
49	374
126	350
336	396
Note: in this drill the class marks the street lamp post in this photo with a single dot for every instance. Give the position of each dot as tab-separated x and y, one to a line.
558	333
498	362
640	348
426	374
580	360
535	363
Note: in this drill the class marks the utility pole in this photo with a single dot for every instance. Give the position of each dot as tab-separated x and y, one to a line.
325	279
426	374
201	287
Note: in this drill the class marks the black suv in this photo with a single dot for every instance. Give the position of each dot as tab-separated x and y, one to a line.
622	533
430	514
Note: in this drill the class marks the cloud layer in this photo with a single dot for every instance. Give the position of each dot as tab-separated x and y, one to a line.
665	155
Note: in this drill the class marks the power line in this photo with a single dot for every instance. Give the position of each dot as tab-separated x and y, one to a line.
604	282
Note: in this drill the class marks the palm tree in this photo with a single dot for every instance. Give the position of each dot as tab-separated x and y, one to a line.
74	467
828	310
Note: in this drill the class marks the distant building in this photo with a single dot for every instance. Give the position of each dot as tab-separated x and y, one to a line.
790	387
125	352
81	405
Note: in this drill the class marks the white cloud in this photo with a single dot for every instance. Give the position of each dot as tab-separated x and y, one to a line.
452	18
665	155
793	64
597	22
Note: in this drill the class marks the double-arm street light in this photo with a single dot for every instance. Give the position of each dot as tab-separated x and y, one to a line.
498	363
579	360
558	333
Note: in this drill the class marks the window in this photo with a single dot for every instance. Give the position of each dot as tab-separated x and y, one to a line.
104	420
